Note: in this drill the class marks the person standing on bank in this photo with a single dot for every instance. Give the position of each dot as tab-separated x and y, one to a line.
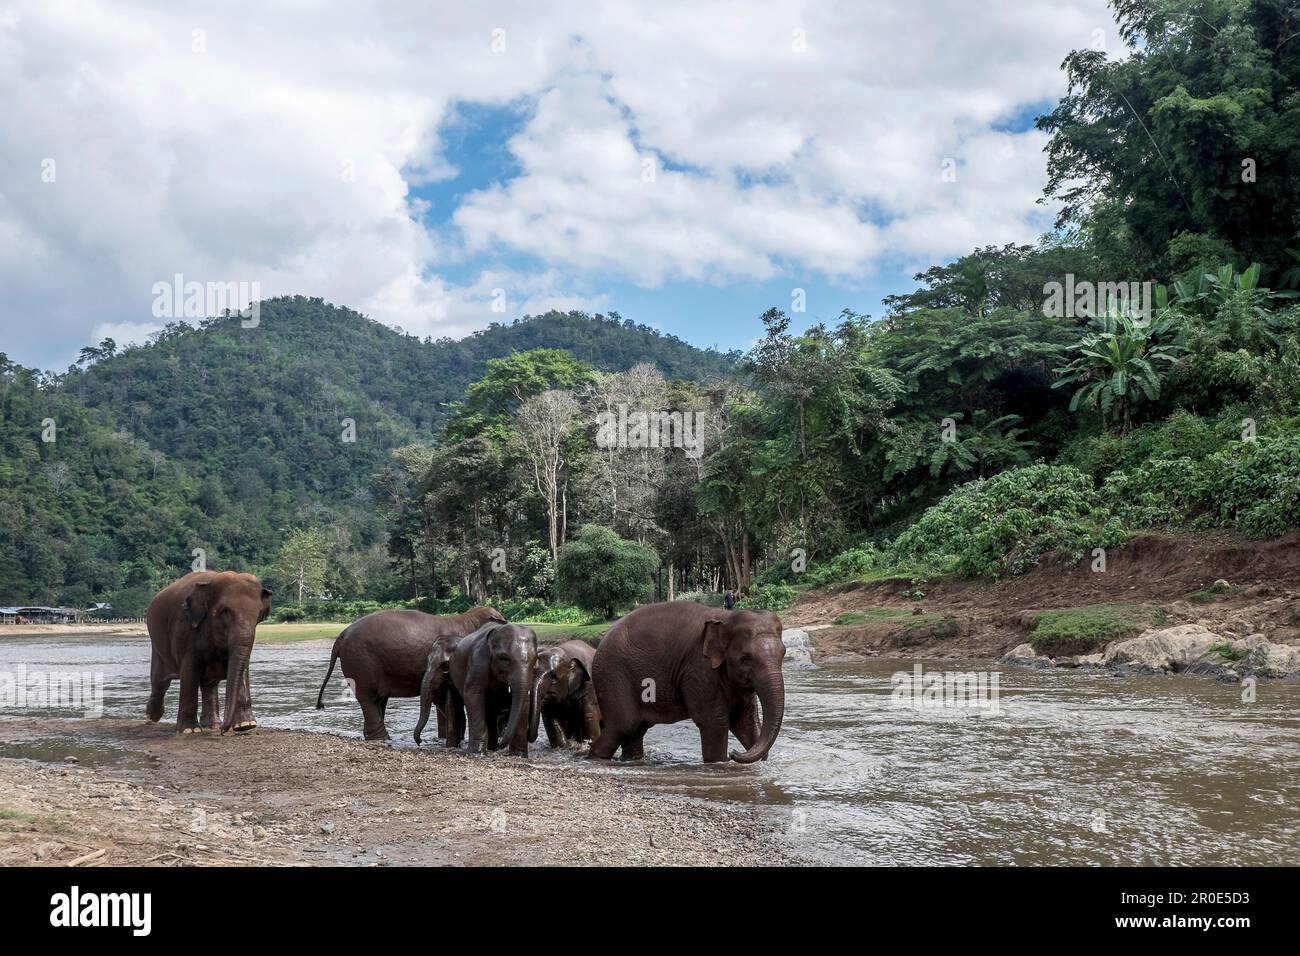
730	600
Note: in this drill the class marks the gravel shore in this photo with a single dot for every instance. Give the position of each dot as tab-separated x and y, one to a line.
284	797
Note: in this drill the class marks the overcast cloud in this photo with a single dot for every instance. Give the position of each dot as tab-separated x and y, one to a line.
285	144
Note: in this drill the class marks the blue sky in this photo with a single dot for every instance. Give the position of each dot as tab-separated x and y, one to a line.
476	140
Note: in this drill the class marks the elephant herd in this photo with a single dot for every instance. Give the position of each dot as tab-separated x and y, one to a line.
659	664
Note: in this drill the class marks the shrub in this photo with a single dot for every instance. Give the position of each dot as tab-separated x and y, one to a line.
851	565
1254	487
602	573
711	598
768	597
1004	524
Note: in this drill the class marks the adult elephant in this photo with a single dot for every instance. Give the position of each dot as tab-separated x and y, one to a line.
437	690
384	655
677	660
202	628
563	694
492	672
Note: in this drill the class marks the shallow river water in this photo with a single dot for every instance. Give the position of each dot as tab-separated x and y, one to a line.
1066	767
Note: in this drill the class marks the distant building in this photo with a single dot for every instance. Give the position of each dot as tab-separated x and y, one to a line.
39	614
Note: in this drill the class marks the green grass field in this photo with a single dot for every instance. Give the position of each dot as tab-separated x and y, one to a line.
298	631
559	633
315	630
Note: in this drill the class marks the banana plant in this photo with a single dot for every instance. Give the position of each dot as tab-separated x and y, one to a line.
1118	366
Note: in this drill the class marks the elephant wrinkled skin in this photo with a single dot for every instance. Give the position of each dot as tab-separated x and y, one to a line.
677	660
202	628
492	671
385	655
564	696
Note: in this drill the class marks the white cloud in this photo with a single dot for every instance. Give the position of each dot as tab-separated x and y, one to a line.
283	150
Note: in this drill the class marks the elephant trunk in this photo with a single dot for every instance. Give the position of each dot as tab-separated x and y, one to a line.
426	699
521	686
771	694
236	674
535	706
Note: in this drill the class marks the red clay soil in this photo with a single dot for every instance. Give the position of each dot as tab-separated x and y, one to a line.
969	619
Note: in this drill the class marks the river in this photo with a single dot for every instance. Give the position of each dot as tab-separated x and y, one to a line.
1065	767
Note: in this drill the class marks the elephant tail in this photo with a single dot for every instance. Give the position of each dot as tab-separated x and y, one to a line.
334	656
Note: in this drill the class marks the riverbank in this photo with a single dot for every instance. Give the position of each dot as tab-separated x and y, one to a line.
1231	587
74	630
145	796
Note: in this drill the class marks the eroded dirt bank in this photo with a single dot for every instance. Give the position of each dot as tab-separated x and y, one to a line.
292	797
970	620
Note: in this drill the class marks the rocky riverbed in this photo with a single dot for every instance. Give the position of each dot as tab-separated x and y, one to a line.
1183	649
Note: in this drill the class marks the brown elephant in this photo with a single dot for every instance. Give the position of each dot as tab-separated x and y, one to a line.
437	690
564	696
492	672
202	628
677	660
384	655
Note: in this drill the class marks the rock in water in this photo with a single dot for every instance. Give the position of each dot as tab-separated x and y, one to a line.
1024	655
1179	648
1264	659
1195	649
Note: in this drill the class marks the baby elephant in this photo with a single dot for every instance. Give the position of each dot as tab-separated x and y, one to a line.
492	671
564	696
437	690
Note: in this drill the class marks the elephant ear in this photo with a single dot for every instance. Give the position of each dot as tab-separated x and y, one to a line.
581	668
715	642
196	605
266	605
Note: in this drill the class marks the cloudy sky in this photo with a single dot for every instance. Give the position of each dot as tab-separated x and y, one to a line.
687	164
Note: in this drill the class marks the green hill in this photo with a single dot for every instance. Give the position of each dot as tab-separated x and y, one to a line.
221	437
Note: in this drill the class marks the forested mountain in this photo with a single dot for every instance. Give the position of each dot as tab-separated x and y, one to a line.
223	437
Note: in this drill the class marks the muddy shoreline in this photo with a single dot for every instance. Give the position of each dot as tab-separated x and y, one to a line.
954	619
146	796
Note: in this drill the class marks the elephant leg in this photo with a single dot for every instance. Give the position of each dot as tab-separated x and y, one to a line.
634	743
744	720
476	710
443	723
605	745
590	718
187	716
158	684
372	712
713	740
554	732
498	727
455	720
211	704
244	720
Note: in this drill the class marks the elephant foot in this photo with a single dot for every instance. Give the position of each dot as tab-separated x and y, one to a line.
192	730
245	725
